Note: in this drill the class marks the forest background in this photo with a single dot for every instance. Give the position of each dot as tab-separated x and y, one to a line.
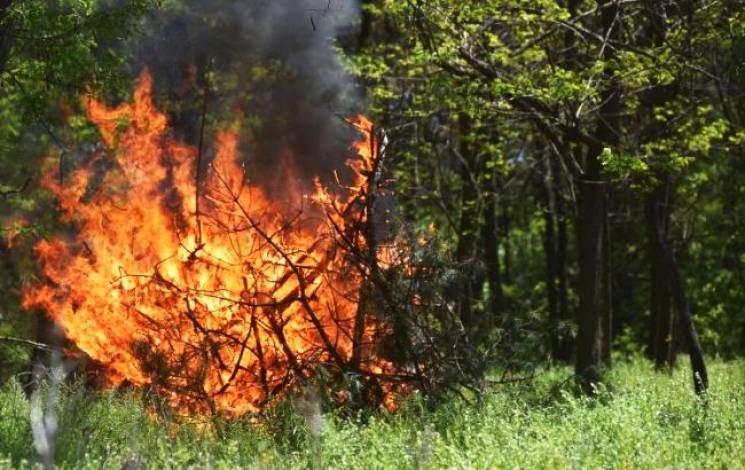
576	167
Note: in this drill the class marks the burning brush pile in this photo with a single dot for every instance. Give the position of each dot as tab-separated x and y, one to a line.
202	288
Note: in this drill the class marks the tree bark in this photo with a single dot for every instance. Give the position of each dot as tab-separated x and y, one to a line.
490	242
687	328
554	246
549	250
661	344
607	304
467	238
566	341
6	34
565	346
504	223
590	248
592	213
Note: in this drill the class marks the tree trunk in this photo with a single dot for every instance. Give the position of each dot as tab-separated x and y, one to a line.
607	304
564	351
6	34
467	237
490	242
551	248
565	345
590	248
661	345
687	328
592	213
504	223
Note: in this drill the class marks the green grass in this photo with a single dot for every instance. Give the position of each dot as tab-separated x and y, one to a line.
643	420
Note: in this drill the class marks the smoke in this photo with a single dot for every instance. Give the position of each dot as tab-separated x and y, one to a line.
273	62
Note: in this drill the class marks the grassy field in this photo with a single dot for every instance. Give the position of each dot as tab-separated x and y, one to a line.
642	420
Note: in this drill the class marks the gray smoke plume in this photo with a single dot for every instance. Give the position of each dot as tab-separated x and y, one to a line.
274	60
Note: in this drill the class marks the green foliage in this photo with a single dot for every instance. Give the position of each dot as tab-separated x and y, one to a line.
532	79
51	53
641	419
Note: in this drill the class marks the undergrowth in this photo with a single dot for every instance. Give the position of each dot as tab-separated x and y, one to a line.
641	419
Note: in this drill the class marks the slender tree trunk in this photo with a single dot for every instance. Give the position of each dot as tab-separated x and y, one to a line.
592	219
566	342
564	351
625	279
6	34
590	248
467	237
550	249
607	322
504	223
48	333
661	347
687	328
490	241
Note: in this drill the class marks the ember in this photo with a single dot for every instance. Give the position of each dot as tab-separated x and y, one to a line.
208	292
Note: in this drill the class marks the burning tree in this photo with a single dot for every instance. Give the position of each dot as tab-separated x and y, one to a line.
200	286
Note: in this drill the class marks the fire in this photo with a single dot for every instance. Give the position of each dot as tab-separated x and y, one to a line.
210	293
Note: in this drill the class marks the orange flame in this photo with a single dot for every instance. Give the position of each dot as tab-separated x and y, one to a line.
219	308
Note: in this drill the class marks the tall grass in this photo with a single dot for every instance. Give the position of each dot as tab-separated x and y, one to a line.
642	419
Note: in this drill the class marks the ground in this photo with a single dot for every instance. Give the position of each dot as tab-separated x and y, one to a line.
642	419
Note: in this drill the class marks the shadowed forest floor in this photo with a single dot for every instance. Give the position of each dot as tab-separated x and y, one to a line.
642	420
